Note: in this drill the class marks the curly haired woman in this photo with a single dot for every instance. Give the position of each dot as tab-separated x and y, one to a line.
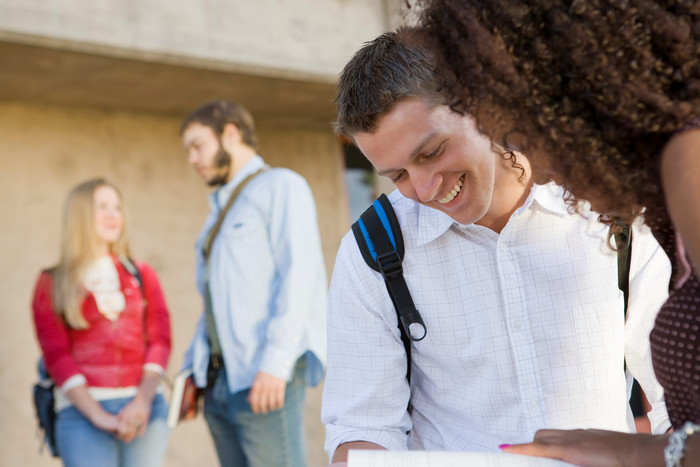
603	95
105	339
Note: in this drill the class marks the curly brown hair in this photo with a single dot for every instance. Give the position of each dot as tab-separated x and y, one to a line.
591	89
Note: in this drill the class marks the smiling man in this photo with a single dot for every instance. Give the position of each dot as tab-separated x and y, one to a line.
525	321
261	338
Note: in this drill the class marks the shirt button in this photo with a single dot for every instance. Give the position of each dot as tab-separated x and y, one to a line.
503	247
517	325
533	406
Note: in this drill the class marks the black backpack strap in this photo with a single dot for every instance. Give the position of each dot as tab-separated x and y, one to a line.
379	238
623	245
130	266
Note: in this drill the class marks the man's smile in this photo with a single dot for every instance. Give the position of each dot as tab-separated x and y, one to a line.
453	192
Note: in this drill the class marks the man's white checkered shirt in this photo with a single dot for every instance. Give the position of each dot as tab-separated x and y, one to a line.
525	331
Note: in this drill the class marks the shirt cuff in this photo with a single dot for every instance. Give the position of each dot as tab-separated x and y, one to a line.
392	441
73	382
278	363
658	418
154	367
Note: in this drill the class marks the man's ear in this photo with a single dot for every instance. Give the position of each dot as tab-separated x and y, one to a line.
230	137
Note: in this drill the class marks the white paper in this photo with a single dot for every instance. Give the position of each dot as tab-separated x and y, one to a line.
380	458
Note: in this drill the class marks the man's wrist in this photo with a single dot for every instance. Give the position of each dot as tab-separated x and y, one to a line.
341	452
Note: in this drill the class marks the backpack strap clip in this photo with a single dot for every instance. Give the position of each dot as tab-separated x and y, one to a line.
390	265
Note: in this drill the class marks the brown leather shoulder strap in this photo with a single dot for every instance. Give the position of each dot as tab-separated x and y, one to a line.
211	236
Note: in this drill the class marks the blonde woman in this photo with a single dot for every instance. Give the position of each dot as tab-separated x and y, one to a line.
105	338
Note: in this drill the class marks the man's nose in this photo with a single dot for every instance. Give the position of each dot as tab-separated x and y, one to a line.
426	185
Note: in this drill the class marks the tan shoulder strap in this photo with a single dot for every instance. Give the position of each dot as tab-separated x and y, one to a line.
211	236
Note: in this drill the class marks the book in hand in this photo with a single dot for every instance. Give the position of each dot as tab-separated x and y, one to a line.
184	399
379	458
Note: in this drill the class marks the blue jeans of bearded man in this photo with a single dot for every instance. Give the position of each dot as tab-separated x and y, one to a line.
245	439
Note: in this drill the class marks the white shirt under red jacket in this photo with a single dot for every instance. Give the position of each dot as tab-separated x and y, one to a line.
525	330
128	331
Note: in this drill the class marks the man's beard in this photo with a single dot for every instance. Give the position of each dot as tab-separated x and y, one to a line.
222	167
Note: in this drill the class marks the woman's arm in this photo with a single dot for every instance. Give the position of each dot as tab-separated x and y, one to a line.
599	448
91	409
157	319
52	333
680	175
133	418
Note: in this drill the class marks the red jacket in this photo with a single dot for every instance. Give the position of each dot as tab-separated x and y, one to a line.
108	354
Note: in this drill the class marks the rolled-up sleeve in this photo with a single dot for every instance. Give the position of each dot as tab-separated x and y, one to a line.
650	272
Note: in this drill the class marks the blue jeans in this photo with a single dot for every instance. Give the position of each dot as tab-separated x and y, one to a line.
245	439
81	444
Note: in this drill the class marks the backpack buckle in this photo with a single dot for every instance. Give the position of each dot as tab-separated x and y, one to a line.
390	265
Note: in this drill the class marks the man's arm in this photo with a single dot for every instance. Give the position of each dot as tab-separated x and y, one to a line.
341	454
650	272
365	396
296	247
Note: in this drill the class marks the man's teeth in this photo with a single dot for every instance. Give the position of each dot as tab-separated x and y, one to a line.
453	192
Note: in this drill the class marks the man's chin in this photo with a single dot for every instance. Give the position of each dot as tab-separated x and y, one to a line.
216	180
463	217
215	183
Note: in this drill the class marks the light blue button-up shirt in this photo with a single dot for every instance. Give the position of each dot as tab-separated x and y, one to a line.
267	280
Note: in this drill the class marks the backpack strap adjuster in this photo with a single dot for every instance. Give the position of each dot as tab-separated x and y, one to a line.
390	265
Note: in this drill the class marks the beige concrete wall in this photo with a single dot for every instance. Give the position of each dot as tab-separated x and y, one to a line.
311	37
46	150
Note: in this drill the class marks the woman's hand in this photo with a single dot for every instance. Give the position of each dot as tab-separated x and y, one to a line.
133	418
92	410
595	448
105	421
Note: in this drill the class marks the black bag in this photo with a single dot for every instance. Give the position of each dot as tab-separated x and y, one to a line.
45	410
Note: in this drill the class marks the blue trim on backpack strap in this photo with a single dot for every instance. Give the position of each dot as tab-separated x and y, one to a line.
370	246
379	209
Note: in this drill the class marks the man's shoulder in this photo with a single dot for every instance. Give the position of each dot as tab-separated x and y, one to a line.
404	208
407	212
283	174
280	183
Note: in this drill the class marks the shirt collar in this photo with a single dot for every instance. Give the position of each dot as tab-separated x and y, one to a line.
549	197
433	223
220	196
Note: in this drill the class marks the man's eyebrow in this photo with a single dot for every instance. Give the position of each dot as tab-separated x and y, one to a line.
415	152
191	141
424	142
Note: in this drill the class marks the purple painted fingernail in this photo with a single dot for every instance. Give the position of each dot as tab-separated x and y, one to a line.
504	446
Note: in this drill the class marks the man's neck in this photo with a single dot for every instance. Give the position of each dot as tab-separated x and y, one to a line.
512	187
240	159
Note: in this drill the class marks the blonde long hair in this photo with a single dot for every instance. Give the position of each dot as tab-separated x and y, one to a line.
79	248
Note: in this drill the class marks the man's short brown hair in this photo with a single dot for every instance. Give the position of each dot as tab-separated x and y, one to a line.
217	114
383	72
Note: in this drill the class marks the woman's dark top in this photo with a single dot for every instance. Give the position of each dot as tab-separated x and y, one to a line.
675	339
